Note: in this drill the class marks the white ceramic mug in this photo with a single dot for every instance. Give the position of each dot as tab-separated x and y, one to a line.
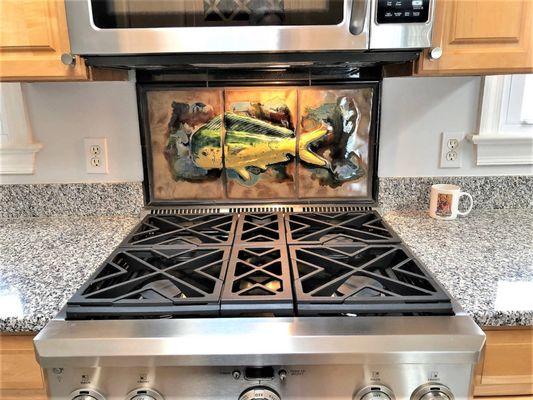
444	201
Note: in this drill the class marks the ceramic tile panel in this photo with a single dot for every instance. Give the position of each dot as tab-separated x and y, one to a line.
260	143
333	142
185	130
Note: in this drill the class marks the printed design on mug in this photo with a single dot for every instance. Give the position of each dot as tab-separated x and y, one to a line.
444	205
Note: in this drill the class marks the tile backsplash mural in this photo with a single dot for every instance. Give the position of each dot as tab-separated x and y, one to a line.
186	136
259	143
334	137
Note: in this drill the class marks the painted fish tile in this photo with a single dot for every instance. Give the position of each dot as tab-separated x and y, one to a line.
186	132
260	143
333	136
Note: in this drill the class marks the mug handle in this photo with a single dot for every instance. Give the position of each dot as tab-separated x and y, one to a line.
471	203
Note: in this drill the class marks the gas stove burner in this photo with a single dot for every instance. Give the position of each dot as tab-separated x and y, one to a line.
162	289
363	279
359	285
155	283
175	229
258	280
260	228
338	228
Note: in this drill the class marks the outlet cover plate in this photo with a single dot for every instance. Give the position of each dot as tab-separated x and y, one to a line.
450	149
95	161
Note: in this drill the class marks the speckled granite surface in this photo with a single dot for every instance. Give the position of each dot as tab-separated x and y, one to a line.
71	199
44	260
489	192
485	260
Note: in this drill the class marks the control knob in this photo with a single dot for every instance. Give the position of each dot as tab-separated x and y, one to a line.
260	393
144	394
374	393
84	397
431	391
86	394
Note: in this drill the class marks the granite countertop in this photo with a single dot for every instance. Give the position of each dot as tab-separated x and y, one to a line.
484	260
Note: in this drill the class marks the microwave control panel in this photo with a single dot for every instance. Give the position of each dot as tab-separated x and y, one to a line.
402	11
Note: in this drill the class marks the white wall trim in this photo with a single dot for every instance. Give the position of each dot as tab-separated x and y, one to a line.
19	160
491	104
495	146
511	149
17	149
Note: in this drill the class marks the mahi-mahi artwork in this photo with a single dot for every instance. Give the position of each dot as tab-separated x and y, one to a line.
249	135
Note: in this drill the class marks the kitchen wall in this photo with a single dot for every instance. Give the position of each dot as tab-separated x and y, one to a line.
414	113
62	114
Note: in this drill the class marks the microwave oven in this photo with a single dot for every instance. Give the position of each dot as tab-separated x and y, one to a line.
128	27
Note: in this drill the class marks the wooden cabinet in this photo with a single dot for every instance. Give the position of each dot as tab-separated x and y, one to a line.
507	365
33	36
20	375
481	37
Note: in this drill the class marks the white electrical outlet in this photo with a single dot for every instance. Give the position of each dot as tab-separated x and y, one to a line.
96	155
450	153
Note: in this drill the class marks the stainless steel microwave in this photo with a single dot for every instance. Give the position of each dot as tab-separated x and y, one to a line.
120	27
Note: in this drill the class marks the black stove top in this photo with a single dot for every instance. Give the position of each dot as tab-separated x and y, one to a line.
260	264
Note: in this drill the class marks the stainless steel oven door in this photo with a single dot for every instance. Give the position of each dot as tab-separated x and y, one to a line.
119	27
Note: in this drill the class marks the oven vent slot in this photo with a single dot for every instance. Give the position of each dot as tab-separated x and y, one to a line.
261	209
182	211
267	208
334	208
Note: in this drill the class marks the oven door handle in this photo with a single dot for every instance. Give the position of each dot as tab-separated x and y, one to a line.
357	21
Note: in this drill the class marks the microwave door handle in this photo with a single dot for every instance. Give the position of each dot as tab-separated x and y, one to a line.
357	22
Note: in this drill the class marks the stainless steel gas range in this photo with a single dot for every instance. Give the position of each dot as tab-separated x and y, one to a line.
292	304
261	269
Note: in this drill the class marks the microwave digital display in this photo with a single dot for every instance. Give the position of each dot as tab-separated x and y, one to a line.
402	11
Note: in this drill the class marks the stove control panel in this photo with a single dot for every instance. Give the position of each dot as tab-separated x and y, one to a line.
431	391
274	382
378	392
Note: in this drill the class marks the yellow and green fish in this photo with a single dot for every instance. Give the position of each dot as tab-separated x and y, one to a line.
250	142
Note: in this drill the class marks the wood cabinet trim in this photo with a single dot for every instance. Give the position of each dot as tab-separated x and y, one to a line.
506	367
507	50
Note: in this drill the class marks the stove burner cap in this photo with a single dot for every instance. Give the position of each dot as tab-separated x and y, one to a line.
260	279
359	285
160	289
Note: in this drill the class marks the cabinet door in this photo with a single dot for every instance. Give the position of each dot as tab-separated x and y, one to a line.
507	368
481	37
20	375
33	36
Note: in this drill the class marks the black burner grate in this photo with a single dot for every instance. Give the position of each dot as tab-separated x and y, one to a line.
188	230
258	281
138	282
260	228
364	279
259	264
338	228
